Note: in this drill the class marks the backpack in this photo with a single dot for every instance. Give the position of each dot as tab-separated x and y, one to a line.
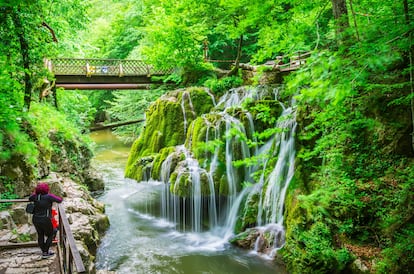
30	207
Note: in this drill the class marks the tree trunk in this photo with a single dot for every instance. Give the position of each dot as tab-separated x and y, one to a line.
24	51
355	21
410	55
235	69
340	13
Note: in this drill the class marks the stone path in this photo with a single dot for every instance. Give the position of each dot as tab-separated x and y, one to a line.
28	261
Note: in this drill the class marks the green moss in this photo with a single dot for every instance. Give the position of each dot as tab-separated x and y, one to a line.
223	185
173	178
159	159
240	237
165	127
201	100
249	213
134	172
141	168
205	186
182	186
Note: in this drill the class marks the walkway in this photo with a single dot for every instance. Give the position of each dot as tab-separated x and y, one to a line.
27	260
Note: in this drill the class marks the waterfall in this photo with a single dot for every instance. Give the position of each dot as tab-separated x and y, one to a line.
204	207
186	97
270	216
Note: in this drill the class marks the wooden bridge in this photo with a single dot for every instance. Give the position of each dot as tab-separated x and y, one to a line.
93	73
76	73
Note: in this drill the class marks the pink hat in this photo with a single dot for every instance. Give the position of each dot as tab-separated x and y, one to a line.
42	188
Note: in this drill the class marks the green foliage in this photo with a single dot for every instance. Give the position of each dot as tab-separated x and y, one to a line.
399	258
99	99
317	256
345	150
7	192
76	107
21	237
44	118
131	105
219	86
113	30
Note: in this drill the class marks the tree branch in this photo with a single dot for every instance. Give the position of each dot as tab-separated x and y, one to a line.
51	31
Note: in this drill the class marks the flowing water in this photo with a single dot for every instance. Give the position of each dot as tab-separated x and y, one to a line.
140	240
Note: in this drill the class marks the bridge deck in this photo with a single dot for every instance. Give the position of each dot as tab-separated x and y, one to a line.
75	73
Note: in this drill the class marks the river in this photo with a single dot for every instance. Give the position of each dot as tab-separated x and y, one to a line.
140	242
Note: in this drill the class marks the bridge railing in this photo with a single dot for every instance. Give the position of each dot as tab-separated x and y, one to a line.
102	67
295	61
70	259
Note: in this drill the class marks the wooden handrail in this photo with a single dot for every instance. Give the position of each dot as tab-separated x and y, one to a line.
69	253
14	200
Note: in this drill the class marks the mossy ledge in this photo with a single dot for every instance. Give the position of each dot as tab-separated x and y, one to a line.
167	121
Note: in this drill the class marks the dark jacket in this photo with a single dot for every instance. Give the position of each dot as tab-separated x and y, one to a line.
43	204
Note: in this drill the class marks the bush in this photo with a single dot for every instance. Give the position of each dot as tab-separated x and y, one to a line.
219	86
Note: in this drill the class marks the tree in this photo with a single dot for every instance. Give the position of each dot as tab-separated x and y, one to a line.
340	13
27	33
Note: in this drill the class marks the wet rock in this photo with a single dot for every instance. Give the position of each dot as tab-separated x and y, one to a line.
18	214
6	221
85	215
358	266
246	239
93	180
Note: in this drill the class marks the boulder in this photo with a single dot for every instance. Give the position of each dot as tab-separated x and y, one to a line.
93	180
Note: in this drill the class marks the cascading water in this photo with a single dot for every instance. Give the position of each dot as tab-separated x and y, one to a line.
199	212
270	216
182	221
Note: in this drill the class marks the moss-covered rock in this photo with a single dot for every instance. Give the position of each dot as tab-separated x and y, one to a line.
159	160
246	239
248	216
167	121
141	169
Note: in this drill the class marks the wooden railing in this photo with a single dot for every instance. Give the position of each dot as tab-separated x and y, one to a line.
70	259
295	61
70	254
102	67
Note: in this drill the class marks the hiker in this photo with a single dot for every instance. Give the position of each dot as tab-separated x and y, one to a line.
42	217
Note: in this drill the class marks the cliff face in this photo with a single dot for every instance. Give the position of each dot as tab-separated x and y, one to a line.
67	155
